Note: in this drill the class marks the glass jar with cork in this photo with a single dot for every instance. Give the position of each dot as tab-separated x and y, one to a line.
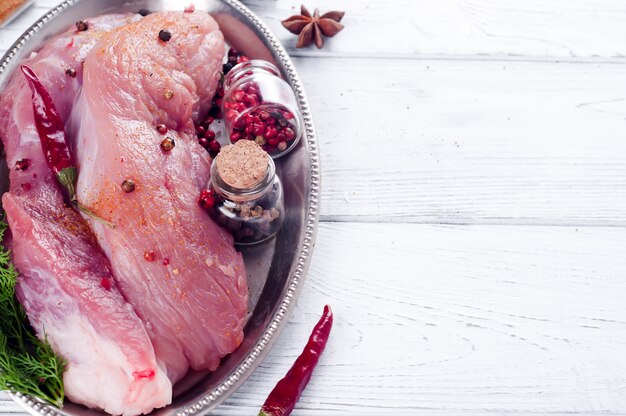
245	194
260	106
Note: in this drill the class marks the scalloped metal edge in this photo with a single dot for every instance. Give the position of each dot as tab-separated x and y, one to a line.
214	398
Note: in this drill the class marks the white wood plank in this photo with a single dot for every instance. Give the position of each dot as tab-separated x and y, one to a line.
468	142
8	406
462	319
459	320
510	28
567	29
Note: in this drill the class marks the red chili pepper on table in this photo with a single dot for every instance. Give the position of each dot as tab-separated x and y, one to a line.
51	130
285	395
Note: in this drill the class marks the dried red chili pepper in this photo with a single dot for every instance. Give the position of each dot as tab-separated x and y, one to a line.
52	136
285	395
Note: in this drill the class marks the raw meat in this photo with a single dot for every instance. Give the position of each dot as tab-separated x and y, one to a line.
66	284
172	262
111	363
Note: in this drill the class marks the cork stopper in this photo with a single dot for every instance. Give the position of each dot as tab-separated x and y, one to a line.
242	165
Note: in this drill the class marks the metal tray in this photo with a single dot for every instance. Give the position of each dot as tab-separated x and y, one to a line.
276	270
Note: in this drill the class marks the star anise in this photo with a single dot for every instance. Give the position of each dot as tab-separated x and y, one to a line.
312	28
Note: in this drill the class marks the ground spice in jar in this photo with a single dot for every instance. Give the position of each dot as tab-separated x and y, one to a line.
245	195
242	165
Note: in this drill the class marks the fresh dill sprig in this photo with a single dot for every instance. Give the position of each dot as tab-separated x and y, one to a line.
27	364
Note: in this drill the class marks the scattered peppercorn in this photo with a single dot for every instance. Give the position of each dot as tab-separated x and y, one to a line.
167	144
207	199
82	26
71	72
22	164
162	128
227	67
214	146
166	261
144	12
209	135
149	255
105	283
128	186
165	35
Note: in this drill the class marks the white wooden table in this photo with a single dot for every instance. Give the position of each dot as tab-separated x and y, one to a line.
472	240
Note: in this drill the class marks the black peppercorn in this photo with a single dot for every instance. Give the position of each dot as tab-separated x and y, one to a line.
227	67
165	35
128	186
82	26
70	72
167	144
22	164
144	12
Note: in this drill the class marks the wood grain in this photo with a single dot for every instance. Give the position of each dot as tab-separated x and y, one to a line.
463	318
458	319
470	142
512	29
509	29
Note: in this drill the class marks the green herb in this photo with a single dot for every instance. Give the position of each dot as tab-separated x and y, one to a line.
27	364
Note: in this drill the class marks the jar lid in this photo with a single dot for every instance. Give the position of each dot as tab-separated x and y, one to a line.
243	165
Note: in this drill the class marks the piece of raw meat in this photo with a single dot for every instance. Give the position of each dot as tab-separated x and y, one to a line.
69	294
175	265
66	285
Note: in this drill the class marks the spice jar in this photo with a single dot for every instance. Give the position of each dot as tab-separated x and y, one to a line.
258	105
245	194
